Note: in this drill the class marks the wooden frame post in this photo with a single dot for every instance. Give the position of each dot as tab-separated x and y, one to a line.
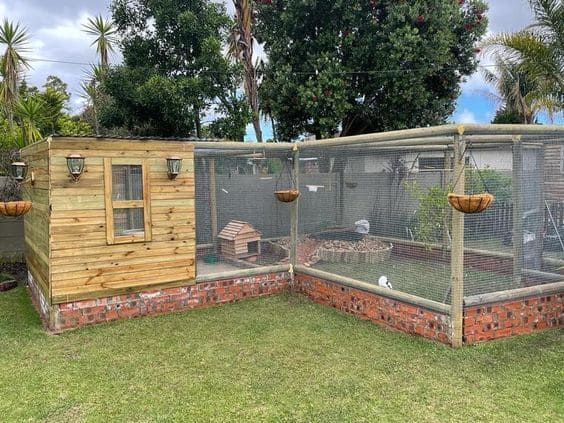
446	177
212	202
517	194
457	250
294	210
541	224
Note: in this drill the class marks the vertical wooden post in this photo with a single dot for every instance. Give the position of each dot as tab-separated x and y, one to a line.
517	195
457	251
212	202
540	222
446	176
294	209
341	196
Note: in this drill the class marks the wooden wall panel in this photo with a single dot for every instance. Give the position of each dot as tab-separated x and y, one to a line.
83	264
36	221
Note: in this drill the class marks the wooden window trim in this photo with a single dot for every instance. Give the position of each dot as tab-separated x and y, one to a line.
111	204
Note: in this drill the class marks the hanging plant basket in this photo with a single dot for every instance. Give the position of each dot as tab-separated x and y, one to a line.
287	196
15	208
351	184
470	203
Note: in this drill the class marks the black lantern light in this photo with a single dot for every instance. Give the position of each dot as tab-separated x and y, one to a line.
75	163
19	171
173	165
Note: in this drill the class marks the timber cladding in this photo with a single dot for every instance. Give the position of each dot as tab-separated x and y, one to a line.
124	226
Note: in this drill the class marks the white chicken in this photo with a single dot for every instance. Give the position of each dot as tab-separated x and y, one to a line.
384	282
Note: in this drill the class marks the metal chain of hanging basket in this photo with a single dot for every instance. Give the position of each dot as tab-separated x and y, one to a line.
286	195
473	202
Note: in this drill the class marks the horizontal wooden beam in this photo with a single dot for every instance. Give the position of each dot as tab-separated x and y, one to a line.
375	289
243	273
514	294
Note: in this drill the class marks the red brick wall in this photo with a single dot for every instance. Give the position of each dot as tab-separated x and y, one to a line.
79	313
515	317
384	311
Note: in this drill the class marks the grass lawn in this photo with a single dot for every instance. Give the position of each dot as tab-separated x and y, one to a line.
281	358
425	279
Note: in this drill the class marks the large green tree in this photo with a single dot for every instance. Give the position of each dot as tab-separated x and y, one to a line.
361	66
174	69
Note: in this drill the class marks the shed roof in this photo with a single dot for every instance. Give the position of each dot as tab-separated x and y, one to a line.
236	228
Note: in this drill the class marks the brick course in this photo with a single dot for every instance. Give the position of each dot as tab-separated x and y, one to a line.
383	311
481	323
514	317
60	317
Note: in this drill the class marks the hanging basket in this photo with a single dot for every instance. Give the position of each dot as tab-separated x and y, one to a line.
14	208
351	184
470	203
287	196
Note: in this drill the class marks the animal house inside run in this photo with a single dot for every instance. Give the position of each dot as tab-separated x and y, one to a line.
371	232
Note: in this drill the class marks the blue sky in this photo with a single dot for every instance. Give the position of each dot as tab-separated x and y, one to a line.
55	27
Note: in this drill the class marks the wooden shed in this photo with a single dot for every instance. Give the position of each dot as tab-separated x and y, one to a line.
239	240
107	232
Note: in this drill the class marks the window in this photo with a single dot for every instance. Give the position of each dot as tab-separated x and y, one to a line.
561	159
431	163
126	188
436	163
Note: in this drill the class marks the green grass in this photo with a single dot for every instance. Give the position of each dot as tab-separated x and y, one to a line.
425	279
5	277
281	358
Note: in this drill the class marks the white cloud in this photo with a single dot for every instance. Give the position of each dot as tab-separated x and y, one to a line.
466	116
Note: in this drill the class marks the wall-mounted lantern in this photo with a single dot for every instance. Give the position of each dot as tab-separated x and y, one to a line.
173	165
75	164
19	171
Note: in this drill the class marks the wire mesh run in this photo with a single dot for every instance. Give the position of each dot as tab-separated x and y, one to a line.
239	221
377	212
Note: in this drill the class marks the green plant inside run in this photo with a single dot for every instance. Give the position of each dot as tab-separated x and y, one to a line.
280	358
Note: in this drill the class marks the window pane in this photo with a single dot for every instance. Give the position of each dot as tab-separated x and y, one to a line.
128	222
127	182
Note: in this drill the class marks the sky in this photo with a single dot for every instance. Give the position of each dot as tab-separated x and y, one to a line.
55	28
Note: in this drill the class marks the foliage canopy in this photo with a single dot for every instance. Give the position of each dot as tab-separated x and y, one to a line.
364	66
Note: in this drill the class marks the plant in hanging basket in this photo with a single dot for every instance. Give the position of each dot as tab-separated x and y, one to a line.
470	203
15	208
11	203
287	196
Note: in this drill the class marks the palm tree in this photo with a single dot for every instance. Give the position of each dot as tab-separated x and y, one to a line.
12	63
538	50
516	90
105	32
241	51
32	114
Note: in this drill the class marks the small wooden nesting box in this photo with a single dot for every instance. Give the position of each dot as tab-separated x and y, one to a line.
239	240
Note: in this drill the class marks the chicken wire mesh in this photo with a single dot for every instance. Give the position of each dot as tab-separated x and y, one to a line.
365	214
379	214
235	190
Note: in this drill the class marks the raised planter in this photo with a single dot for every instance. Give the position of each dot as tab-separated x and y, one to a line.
355	257
15	208
7	282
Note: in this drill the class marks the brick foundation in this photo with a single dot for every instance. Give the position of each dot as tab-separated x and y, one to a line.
515	317
60	317
481	323
384	311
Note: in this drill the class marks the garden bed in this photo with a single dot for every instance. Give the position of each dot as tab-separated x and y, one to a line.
311	251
